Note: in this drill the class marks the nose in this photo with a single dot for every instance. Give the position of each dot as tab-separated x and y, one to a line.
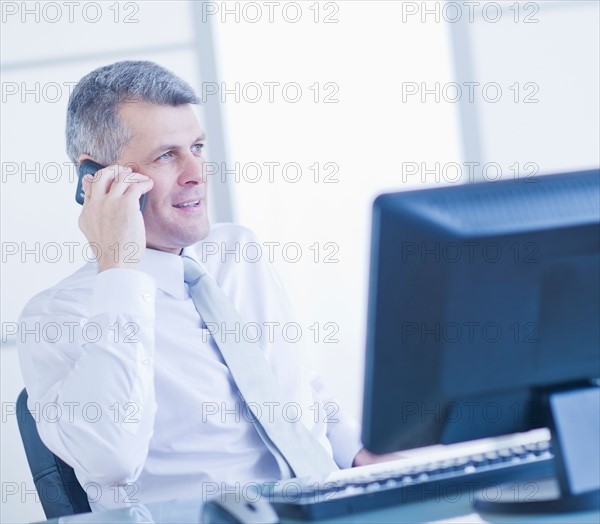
192	170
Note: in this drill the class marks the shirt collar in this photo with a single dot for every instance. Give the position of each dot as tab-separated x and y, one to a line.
190	251
167	270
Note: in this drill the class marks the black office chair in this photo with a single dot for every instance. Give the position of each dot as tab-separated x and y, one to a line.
57	486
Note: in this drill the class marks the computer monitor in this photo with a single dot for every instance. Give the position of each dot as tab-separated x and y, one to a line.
484	305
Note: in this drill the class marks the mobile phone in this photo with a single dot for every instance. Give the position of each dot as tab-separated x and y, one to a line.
89	167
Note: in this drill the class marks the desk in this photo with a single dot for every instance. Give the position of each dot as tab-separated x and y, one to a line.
455	508
461	512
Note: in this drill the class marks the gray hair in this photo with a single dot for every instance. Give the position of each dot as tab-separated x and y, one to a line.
93	123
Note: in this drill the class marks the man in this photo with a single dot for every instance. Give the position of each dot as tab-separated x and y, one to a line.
148	409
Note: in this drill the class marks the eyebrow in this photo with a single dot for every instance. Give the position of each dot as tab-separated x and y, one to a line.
167	147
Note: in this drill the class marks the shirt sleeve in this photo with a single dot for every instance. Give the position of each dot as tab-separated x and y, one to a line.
343	431
288	360
87	364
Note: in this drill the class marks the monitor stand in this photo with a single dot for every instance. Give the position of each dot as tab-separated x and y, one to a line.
573	417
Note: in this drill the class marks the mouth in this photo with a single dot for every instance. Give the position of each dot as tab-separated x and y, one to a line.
189	204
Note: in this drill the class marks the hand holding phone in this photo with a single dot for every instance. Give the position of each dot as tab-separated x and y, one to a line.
89	167
109	218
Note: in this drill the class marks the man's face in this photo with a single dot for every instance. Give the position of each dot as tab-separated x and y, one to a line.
167	147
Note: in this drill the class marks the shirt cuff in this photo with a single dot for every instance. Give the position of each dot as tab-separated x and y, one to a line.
120	290
344	436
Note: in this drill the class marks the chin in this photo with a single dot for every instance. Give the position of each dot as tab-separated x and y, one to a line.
176	240
190	237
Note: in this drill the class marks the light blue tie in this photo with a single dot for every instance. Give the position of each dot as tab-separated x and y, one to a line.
293	446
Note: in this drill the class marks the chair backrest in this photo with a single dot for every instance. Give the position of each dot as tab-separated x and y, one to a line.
55	481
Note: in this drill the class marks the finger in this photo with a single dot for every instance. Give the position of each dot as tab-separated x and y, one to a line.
136	190
124	183
104	178
86	185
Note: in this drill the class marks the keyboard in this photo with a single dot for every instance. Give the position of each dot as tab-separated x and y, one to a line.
441	472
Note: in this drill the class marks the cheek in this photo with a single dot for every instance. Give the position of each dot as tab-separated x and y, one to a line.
158	196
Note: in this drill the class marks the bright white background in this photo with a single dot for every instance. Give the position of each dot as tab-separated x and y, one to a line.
370	52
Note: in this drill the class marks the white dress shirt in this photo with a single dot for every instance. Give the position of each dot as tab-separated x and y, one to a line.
127	387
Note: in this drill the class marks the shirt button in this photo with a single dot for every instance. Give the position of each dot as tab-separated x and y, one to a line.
145	361
147	297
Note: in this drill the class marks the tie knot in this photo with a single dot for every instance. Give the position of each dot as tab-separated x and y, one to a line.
192	270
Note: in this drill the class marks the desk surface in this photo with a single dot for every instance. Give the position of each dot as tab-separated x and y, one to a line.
456	510
461	511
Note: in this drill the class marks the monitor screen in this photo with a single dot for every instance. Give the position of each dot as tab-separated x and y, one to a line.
480	297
